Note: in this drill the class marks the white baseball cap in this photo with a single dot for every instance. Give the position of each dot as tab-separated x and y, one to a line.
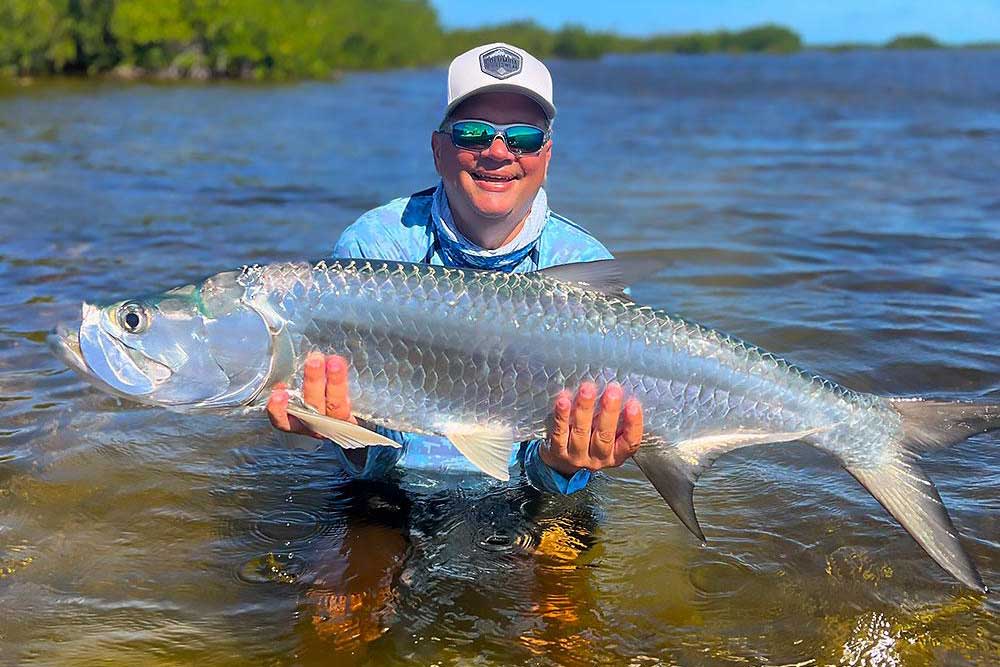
499	67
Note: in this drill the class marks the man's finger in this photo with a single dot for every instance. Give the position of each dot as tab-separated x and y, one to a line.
602	441
553	451
314	382
631	434
580	423
559	435
277	408
277	413
338	402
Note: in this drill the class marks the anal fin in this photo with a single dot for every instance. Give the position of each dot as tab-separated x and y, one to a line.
674	468
674	480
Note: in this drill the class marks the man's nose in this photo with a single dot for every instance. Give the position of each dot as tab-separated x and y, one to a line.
498	150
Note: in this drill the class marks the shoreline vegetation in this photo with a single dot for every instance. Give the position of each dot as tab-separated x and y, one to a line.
267	40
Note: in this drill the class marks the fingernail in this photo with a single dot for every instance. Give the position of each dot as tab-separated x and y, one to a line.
562	404
632	409
334	364
279	386
281	396
614	391
588	390
314	360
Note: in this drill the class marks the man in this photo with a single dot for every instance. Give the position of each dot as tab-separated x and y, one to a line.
489	211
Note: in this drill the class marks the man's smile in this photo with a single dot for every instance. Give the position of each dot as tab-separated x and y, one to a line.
496	178
493	182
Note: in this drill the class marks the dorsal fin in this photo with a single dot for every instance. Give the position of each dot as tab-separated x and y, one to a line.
609	276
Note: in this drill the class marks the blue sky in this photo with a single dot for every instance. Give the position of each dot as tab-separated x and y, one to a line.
818	22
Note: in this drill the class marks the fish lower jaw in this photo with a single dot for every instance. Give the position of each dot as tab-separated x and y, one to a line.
65	344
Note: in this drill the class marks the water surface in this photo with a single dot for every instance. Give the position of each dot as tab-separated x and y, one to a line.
841	210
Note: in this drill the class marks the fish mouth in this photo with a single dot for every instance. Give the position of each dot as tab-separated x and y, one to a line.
65	344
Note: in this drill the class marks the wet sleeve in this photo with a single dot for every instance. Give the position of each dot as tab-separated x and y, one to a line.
378	460
545	478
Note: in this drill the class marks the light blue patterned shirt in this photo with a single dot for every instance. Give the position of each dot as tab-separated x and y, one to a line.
419	228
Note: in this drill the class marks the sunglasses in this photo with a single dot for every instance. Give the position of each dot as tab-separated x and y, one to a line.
478	135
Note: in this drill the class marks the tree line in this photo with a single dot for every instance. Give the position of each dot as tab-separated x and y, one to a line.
296	38
203	38
293	38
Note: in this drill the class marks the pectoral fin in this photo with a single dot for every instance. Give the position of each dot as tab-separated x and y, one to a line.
674	468
488	448
345	434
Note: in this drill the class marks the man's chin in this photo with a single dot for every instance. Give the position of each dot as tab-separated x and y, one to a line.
492	206
493	217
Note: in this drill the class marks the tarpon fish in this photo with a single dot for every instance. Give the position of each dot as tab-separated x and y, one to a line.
479	356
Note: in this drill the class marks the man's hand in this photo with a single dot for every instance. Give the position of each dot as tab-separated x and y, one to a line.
579	439
324	387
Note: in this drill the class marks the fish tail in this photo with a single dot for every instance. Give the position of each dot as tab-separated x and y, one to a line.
896	480
906	492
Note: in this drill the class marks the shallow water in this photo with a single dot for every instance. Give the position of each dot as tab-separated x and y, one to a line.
841	210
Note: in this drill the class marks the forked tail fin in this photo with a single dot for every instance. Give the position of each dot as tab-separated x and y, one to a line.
906	491
931	425
898	483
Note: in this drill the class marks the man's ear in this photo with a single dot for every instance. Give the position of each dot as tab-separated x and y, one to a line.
548	156
436	148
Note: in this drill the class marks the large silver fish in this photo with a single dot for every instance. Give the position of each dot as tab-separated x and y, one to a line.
478	357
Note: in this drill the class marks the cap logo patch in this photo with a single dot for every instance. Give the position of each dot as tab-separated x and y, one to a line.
500	63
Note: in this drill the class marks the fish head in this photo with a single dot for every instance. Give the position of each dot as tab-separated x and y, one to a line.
187	349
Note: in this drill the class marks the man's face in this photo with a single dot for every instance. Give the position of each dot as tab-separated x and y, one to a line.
492	185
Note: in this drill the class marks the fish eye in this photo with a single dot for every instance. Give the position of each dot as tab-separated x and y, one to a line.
132	317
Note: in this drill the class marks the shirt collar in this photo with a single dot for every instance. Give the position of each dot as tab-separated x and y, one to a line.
461	251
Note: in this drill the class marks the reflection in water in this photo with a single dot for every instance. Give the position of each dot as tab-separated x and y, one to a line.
396	544
349	594
563	598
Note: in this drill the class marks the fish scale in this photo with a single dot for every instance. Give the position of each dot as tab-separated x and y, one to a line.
479	356
416	316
